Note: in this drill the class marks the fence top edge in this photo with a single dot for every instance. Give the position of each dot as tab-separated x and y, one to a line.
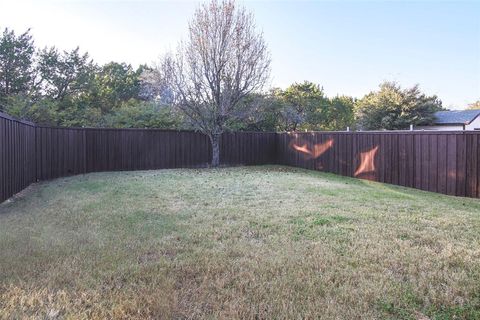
143	129
10	118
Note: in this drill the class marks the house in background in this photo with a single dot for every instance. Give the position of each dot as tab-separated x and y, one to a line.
454	121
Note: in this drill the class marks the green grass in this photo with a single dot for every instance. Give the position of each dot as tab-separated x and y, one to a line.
254	242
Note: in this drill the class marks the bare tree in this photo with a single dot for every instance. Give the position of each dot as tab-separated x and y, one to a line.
223	60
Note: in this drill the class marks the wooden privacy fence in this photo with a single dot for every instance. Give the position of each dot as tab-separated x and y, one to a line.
443	162
30	153
17	156
63	151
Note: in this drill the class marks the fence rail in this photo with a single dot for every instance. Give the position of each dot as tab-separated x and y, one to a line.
443	162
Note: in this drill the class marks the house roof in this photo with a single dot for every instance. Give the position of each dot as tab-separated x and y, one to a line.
456	116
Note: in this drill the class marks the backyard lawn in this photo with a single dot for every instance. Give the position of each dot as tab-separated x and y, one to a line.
250	242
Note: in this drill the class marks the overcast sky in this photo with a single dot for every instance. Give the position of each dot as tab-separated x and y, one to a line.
347	47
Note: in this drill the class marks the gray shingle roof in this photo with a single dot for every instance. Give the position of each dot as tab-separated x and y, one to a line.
456	117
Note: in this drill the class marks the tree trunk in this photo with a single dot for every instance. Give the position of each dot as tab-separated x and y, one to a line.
215	140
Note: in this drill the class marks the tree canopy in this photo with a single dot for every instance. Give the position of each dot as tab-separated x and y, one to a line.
304	106
394	108
16	63
67	88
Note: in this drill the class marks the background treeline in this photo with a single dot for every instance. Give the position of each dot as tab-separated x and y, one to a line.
67	88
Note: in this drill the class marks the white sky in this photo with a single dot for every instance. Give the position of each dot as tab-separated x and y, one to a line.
69	24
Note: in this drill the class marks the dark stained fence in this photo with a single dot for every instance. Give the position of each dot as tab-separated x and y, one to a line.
60	152
443	162
64	151
248	148
17	156
143	149
30	153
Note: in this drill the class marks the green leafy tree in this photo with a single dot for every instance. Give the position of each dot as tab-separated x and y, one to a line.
65	74
302	105
67	79
394	108
16	63
114	84
66	88
339	114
